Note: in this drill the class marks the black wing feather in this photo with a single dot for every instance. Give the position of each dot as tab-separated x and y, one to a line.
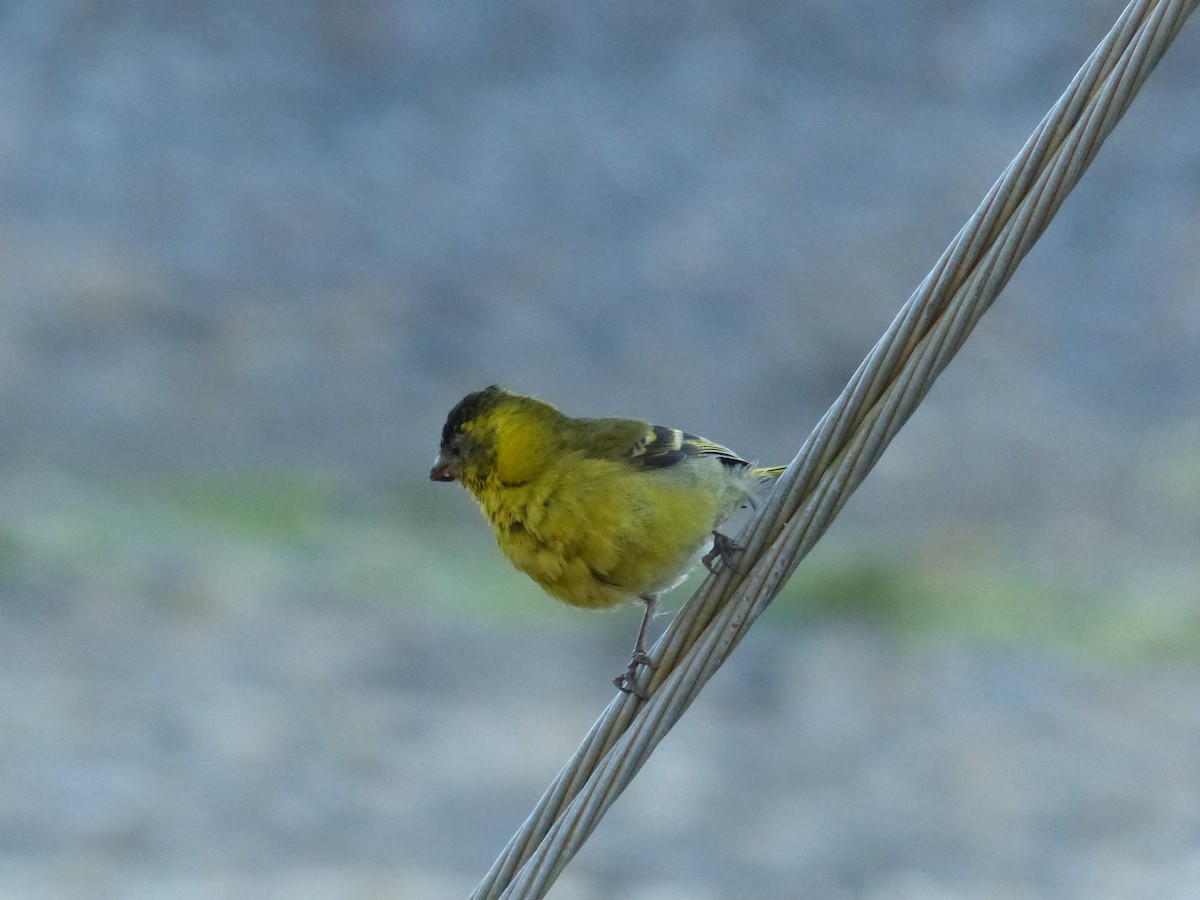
663	447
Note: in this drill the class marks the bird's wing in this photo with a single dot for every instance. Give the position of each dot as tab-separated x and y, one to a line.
652	446
662	447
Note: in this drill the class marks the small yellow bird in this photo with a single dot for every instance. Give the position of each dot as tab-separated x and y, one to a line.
596	511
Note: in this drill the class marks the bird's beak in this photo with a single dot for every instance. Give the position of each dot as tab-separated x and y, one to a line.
444	469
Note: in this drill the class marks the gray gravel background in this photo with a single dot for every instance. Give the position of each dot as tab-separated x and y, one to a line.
311	752
251	252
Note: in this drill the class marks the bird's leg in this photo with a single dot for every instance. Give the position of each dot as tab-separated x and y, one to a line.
724	547
627	680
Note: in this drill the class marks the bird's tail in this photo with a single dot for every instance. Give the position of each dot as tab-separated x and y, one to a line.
768	472
761	481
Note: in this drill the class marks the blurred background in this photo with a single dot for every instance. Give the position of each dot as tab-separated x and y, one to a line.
252	252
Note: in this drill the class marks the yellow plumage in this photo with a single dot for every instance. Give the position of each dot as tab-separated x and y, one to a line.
596	511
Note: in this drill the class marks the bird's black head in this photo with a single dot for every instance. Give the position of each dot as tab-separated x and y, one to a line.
455	440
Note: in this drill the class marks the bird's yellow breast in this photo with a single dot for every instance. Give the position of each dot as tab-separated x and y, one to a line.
597	532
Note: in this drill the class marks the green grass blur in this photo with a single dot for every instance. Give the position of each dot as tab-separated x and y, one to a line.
220	542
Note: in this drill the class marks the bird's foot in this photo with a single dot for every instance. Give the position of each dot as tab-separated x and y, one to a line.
627	681
723	548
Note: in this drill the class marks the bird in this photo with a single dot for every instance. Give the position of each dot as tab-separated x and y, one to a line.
599	512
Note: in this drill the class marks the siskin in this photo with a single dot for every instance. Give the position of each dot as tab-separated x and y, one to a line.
597	511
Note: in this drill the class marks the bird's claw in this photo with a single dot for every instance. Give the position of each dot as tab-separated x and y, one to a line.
723	548
627	681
